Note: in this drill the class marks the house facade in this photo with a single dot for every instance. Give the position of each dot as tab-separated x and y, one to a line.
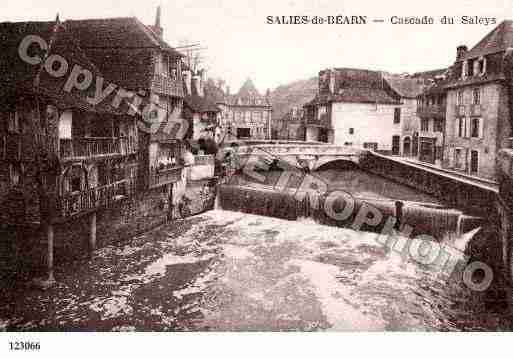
135	57
291	126
246	115
79	157
431	109
364	108
478	114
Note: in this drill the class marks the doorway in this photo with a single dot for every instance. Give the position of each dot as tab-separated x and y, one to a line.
474	161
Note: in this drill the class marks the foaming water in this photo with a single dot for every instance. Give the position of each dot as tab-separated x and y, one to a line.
336	278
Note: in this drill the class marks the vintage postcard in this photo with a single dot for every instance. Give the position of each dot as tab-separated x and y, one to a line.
239	166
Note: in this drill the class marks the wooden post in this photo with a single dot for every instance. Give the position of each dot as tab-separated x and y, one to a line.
92	233
49	238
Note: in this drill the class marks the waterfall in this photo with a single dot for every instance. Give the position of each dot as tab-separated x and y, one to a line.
437	221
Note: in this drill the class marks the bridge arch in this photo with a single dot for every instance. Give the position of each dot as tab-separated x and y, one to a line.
335	163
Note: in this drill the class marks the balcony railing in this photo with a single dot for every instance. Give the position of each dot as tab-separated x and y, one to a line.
160	177
95	146
104	196
167	85
323	121
431	111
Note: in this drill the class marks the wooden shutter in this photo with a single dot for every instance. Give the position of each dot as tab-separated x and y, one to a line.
481	129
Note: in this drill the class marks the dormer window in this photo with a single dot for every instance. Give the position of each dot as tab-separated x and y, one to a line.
464	70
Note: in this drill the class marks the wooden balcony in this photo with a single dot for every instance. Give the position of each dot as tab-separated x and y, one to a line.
323	121
437	111
167	86
100	197
160	177
87	147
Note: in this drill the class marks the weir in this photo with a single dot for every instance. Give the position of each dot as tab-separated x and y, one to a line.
433	220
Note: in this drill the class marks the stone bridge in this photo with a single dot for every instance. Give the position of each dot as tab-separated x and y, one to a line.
304	155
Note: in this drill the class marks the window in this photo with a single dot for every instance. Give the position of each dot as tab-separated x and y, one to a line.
476	96
351	131
14	172
396	144
481	66
243	132
476	128
438	125
406	146
371	145
464	69
460	97
397	115
474	161
461	127
14	122
348	143
424	124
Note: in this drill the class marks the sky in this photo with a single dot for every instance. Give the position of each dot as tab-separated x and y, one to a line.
240	44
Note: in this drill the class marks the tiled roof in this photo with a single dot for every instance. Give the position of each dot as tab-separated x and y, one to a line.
406	87
20	77
357	86
357	95
123	48
499	39
248	95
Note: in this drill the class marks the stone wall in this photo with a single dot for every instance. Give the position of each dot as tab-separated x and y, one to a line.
479	201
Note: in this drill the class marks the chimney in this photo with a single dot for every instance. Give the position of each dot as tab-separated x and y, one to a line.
157	28
187	79
461	51
228	90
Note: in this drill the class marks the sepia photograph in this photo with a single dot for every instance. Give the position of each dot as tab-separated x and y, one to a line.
239	167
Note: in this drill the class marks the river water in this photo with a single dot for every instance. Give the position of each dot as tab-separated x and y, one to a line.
233	271
303	275
276	275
